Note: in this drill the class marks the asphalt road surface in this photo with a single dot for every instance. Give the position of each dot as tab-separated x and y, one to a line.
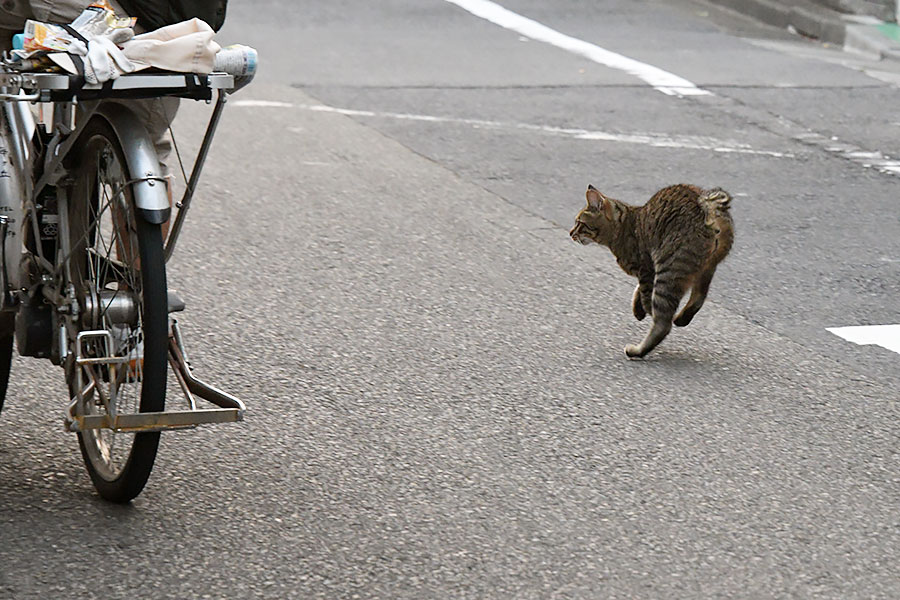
378	263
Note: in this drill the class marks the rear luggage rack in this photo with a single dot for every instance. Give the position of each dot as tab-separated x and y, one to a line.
59	87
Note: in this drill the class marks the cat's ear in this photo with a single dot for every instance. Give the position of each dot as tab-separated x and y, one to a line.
594	199
597	202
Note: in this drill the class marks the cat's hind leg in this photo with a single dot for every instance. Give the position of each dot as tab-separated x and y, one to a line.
698	296
665	303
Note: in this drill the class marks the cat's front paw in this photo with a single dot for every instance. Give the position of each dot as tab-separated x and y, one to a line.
632	351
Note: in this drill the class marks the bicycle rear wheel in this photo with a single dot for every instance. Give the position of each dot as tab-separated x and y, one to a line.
6	354
118	271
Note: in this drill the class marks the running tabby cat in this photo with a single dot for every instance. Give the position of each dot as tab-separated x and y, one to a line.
672	244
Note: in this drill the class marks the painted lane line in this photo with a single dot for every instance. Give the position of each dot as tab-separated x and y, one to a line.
655	140
886	336
663	81
870	159
263	103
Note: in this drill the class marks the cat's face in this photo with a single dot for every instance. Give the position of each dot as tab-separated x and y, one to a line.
598	222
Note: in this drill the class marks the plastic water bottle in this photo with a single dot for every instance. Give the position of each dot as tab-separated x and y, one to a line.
237	60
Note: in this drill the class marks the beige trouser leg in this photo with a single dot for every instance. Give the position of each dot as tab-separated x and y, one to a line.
156	113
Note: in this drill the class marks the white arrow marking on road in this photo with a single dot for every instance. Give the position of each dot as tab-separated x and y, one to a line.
886	336
663	81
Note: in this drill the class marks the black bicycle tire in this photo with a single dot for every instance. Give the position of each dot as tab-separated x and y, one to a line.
6	355
134	475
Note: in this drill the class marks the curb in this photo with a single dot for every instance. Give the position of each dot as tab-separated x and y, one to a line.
859	34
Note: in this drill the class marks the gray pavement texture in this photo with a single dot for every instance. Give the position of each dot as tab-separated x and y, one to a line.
471	352
439	405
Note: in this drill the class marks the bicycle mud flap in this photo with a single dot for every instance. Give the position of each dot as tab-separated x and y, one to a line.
230	409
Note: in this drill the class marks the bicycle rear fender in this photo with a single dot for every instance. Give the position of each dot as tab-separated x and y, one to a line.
14	125
145	172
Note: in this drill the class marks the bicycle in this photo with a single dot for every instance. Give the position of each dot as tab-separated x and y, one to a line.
82	262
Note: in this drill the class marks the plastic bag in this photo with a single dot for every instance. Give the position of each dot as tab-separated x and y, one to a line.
98	19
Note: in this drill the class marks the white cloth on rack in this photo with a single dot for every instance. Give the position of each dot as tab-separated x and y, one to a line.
186	47
104	60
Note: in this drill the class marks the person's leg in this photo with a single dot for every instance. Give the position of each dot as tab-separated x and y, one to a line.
156	114
63	11
6	39
13	14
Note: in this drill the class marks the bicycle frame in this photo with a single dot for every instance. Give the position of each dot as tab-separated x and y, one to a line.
16	126
42	151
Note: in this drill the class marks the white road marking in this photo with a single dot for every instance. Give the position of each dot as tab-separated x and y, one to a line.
870	159
886	336
656	140
263	103
663	81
